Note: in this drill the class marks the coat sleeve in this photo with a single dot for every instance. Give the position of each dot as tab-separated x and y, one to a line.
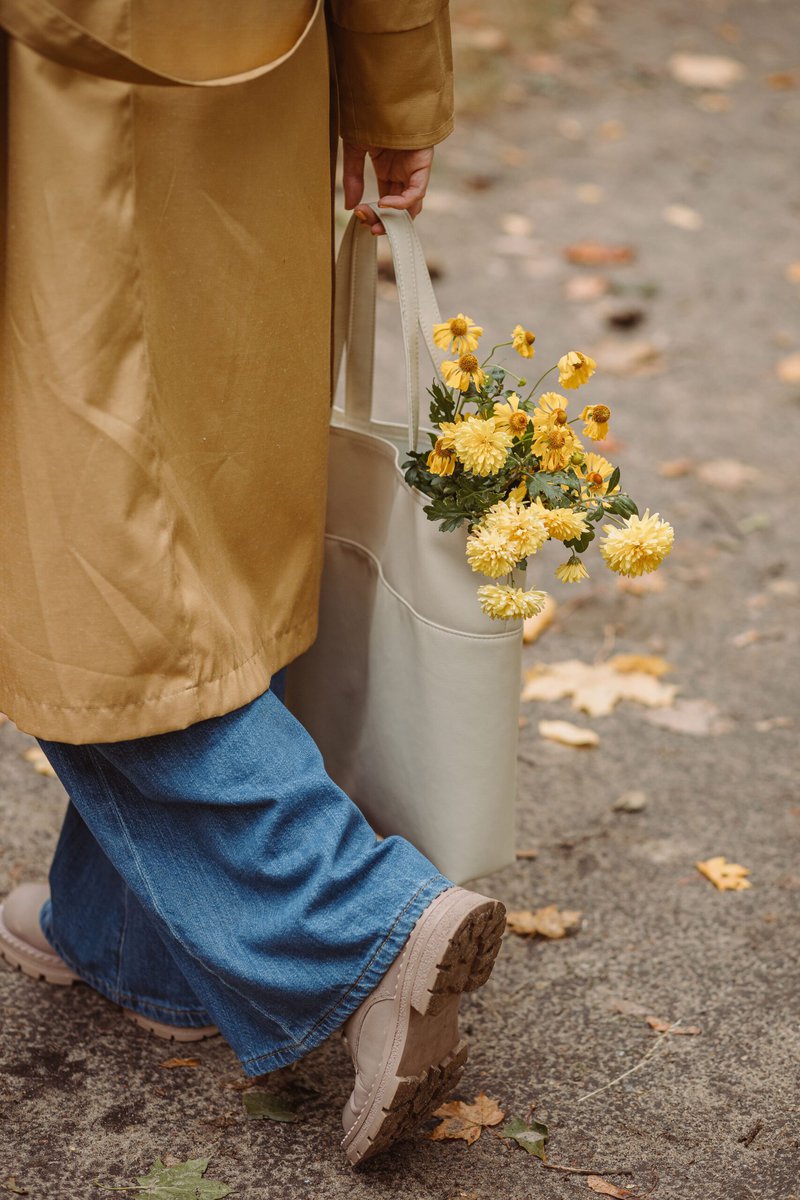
394	71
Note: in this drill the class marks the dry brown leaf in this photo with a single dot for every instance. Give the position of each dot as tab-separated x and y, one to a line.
714	102
591	253
169	1064
597	1184
650	664
642	585
781	81
792	272
611	131
726	474
662	1027
725	876
595	688
628	1007
466	1121
633	801
706	70
698	717
676	468
618	357
546	922
682	217
534	627
568	734
39	761
770	723
582	288
788	369
589	193
526	854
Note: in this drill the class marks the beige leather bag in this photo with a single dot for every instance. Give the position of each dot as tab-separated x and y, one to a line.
411	693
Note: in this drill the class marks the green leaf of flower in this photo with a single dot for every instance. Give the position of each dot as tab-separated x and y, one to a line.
184	1181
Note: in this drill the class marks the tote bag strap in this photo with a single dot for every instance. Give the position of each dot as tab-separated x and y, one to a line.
354	314
49	31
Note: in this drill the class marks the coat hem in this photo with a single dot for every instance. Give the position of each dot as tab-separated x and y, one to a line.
82	724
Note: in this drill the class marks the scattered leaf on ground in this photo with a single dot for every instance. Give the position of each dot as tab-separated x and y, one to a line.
170	1063
788	369
662	1027
268	1106
630	802
714	102
611	131
619	357
770	723
466	1121
516	224
726	474
625	318
534	627
530	1135
589	193
11	1185
650	664
628	1007
182	1181
725	876
598	1184
706	70
568	734
682	217
781	81
548	922
698	717
595	688
527	854
676	468
792	272
591	253
582	288
39	761
642	585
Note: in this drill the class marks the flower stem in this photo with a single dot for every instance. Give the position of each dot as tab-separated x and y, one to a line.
491	352
539	380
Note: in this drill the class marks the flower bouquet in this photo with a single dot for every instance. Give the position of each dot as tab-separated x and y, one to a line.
515	470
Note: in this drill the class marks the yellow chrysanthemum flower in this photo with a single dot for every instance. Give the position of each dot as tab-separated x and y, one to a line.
639	546
505	603
572	571
442	459
563	524
522	340
510	416
597	472
446	430
550	412
554	447
575	369
596	417
522	525
459	335
490	552
464	372
481	445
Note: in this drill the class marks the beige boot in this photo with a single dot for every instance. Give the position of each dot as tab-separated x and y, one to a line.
404	1037
24	947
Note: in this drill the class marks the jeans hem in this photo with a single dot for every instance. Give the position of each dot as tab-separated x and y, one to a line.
366	982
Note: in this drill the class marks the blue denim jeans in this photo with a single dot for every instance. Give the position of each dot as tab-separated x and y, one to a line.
216	875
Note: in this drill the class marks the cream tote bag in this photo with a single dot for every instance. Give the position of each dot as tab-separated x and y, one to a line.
410	692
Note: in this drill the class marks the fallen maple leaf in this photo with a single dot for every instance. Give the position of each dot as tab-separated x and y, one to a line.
792	272
534	627
530	1135
618	357
662	1027
697	717
788	369
180	1181
596	688
170	1063
706	70
591	253
598	1184
682	217
466	1121
568	734
675	468
725	876
548	922
726	474
39	761
650	664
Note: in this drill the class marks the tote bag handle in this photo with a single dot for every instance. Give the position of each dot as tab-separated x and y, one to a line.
354	314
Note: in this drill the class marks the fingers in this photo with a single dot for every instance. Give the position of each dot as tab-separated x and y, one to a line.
366	216
353	174
409	197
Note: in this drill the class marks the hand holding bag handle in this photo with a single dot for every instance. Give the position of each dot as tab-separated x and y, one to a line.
354	314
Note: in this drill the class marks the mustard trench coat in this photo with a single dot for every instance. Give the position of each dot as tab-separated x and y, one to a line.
165	389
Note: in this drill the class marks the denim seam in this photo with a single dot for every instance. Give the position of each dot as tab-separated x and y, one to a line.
123	931
99	766
289	1046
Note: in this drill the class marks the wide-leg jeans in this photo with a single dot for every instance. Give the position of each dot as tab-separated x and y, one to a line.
216	875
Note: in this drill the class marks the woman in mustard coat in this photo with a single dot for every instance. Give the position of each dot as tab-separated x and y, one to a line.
164	411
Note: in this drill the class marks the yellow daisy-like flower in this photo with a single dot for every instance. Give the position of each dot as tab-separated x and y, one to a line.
481	445
597	472
575	369
522	525
505	603
490	552
596	417
447	429
459	335
442	459
554	447
550	412
639	546
522	340
464	372
572	571
510	416
563	524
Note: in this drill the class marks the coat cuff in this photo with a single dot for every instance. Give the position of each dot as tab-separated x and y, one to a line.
394	72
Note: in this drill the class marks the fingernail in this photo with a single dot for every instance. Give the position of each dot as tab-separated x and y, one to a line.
362	217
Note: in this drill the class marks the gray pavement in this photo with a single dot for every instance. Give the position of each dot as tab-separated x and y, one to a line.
580	132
